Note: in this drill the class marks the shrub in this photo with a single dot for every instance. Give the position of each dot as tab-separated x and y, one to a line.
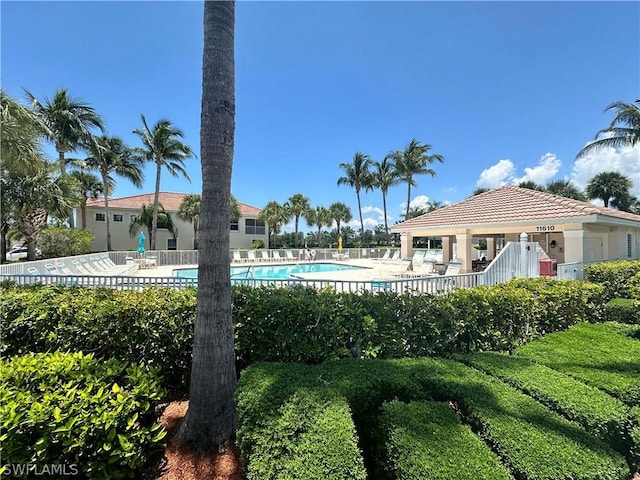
600	414
535	442
599	355
624	310
256	244
425	440
76	410
634	286
64	242
613	275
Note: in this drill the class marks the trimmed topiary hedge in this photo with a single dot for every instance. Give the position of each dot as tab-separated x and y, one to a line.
614	276
600	414
599	355
535	443
624	310
93	418
425	440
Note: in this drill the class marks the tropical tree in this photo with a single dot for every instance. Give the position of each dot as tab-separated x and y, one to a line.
414	161
340	213
607	185
67	122
623	131
385	176
110	155
415	211
189	211
358	176
531	185
20	148
33	198
274	216
298	205
565	188
479	190
88	186
626	202
320	217
210	421
145	220
162	145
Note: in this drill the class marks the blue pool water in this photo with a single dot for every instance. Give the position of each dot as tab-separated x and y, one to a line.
272	272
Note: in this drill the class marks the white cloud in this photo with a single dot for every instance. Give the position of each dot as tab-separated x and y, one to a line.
496	175
421	201
547	167
449	190
625	160
378	212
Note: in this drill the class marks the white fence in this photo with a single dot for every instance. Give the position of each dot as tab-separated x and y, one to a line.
506	265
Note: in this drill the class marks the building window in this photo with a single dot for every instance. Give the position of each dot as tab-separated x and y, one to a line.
117	217
172	244
629	245
100	217
234	225
253	226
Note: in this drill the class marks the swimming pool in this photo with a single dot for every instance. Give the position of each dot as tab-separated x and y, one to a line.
272	272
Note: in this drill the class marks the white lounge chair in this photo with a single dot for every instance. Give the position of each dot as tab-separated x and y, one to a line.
276	256
237	258
405	269
265	255
384	257
251	256
289	255
395	258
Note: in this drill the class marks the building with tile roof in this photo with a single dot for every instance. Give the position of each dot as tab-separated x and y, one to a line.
123	209
568	230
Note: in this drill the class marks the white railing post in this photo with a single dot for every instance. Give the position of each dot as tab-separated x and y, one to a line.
524	264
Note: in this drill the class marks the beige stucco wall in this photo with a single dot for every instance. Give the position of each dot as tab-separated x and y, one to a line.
120	239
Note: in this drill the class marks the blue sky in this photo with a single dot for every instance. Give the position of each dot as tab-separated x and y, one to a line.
505	91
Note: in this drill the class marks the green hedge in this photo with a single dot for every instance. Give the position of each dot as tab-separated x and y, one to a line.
535	443
614	276
424	440
95	417
289	325
600	414
599	355
634	286
624	310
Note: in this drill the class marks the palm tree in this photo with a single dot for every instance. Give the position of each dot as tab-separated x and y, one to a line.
162	145
189	211
88	185
358	176
67	123
320	217
531	185
479	190
145	220
20	132
340	213
385	176
110	155
415	212
565	188
413	161
274	215
623	131
33	198
211	421
607	185
298	205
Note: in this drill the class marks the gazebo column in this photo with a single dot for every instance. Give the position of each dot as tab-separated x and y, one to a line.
463	252
406	245
447	249
491	248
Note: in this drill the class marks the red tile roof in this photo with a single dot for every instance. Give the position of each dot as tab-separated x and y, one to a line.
169	200
509	204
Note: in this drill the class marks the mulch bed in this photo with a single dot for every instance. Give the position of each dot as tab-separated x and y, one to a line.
180	463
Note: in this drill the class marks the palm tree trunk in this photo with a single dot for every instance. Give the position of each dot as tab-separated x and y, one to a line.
406	214
83	213
105	183
195	234
211	420
360	213
63	171
296	237
384	208
156	202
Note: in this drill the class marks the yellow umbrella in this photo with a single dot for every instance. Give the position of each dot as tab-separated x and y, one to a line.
340	244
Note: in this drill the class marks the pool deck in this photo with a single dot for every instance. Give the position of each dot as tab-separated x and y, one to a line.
374	270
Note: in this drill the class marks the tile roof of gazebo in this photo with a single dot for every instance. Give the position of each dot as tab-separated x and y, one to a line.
509	204
169	200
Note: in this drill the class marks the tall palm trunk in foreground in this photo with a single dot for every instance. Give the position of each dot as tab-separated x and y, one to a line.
210	421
